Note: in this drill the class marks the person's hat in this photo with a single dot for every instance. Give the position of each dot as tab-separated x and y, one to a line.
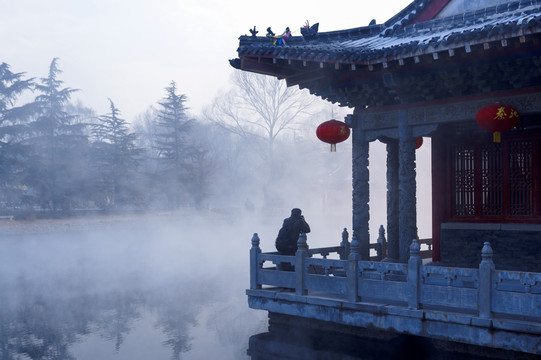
296	212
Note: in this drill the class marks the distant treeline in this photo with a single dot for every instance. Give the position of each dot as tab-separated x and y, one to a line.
60	158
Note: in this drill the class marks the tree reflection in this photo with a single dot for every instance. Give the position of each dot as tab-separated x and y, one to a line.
175	327
119	312
42	328
43	321
177	308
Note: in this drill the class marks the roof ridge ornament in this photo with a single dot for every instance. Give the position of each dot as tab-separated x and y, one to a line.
253	32
279	39
309	32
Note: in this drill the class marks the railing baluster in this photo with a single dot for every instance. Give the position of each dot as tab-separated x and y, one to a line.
345	245
302	253
353	263
414	270
382	244
486	268
254	262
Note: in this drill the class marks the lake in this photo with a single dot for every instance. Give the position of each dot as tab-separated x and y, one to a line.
157	287
145	288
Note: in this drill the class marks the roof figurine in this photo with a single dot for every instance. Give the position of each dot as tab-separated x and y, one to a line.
279	39
253	32
309	32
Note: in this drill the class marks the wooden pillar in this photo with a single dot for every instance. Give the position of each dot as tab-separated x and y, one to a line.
361	190
392	201
407	202
440	188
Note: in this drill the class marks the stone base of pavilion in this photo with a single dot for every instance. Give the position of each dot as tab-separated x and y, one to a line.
496	338
299	338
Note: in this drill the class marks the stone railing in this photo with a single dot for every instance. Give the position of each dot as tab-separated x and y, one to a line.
483	293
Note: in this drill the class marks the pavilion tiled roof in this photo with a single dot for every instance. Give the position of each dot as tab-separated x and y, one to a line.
402	37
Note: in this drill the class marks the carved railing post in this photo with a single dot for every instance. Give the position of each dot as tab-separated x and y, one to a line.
414	269
302	253
345	245
254	262
353	263
382	244
485	281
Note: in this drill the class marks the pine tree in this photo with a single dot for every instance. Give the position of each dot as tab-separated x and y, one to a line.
12	128
60	146
116	159
173	147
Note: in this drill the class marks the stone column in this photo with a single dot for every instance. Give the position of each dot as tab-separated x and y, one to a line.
392	201
361	190
407	201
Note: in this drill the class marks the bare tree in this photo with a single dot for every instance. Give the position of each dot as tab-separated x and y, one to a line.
260	108
278	123
145	128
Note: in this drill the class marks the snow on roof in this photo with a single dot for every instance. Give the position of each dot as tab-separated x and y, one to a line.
401	37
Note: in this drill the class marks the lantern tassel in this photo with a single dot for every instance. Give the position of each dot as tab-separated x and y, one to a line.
333	147
496	136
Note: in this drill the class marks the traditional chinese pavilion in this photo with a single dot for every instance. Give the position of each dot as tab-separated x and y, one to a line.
427	72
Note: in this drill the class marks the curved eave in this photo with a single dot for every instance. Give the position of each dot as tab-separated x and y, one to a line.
392	51
378	44
382	65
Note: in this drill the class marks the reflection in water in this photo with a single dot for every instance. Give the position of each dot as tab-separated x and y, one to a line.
114	294
43	321
300	339
333	346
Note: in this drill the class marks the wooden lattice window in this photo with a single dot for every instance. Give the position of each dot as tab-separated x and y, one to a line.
520	178
492	180
464	180
496	181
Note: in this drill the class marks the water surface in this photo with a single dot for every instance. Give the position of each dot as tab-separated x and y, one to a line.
144	289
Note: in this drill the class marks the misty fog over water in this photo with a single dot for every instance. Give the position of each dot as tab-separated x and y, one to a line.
143	288
168	286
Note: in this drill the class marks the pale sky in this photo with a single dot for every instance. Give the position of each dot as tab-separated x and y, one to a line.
130	51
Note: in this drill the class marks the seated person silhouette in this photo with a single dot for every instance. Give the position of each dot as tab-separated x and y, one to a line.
286	241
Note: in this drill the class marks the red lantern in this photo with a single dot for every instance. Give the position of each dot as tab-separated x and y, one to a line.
332	132
497	118
418	142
